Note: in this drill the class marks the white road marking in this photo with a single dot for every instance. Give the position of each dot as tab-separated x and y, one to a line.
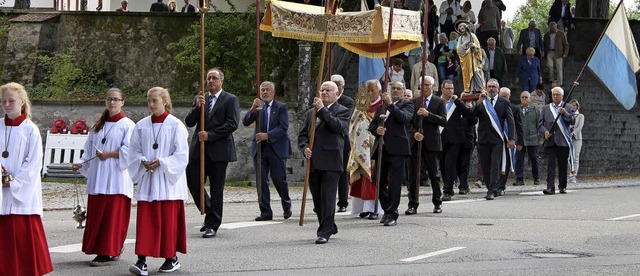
345	214
236	225
76	247
463	201
541	193
435	253
625	217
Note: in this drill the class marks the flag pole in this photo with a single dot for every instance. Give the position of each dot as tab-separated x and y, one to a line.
421	104
203	11
259	110
575	83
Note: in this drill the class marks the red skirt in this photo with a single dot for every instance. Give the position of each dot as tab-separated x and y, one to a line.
107	224
23	246
161	230
363	188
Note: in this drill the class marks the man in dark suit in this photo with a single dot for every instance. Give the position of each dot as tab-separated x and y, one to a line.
560	12
325	156
494	114
159	7
496	62
275	148
391	131
222	113
343	184
557	145
188	7
430	115
505	93
531	37
453	142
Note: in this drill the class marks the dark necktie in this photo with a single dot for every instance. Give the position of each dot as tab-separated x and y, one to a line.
265	118
491	101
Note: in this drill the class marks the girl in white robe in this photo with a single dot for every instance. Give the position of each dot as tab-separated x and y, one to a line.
23	244
157	161
109	186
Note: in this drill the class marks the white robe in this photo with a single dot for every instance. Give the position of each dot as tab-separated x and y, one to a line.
24	196
169	180
109	177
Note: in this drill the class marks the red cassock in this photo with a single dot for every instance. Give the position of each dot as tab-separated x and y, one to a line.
161	230
107	224
23	246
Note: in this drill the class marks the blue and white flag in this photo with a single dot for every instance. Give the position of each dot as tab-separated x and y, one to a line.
369	69
615	60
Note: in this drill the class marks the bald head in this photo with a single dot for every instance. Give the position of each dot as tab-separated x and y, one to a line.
328	92
505	93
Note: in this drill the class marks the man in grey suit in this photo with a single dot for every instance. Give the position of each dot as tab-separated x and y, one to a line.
494	114
222	113
275	148
430	115
326	156
531	37
391	131
343	183
557	145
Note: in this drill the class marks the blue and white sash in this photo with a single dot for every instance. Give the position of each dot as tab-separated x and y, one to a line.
451	107
493	117
512	151
566	134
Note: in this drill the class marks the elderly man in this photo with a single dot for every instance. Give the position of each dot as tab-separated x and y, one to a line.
343	183
416	74
275	148
222	113
494	115
558	146
555	42
507	38
531	37
326	156
530	116
496	64
453	135
505	93
425	129
408	94
390	130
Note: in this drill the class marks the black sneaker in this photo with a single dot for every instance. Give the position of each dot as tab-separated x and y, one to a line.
139	268
170	265
100	261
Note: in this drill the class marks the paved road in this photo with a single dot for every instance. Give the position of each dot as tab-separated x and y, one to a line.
585	232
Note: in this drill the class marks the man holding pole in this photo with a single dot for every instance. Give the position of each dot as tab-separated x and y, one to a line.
425	129
343	183
325	155
274	145
222	113
389	127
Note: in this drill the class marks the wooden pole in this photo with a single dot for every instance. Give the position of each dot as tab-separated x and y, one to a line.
421	104
203	11
313	118
384	107
259	110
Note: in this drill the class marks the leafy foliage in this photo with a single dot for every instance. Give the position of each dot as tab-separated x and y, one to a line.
230	44
70	78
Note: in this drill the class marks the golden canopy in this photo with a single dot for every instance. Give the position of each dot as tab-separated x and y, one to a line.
364	33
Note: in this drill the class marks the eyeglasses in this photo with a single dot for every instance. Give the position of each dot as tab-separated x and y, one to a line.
492	86
113	100
213	78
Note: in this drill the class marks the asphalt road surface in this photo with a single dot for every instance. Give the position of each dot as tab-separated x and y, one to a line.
584	232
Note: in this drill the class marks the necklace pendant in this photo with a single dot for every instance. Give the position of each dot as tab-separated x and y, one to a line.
155	146
5	154
104	140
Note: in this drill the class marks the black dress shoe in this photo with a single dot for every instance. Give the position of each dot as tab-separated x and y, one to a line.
203	228
500	193
209	233
437	209
364	214
261	218
463	191
548	192
563	190
384	219
334	231
342	209
411	211
391	222
372	216
446	197
286	215
321	240
519	182
489	196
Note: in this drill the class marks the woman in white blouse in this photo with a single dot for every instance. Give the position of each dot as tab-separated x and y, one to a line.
576	136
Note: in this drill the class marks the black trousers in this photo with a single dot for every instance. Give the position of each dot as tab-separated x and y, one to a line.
323	186
216	172
464	166
559	155
343	183
455	164
502	185
274	166
430	159
391	176
491	158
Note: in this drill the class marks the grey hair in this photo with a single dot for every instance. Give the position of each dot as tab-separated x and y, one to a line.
337	78
376	82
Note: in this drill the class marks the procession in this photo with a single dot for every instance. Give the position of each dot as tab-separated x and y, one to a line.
364	155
